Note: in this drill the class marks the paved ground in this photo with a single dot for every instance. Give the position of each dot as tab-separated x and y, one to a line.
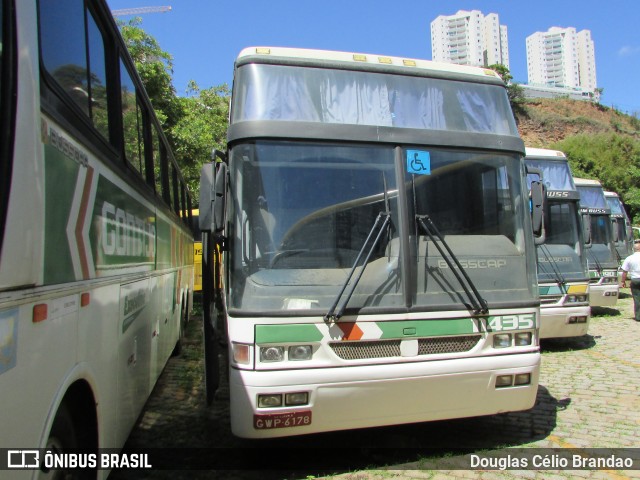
589	397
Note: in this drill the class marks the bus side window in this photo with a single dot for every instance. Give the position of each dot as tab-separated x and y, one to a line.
172	191
62	40
176	196
157	160
76	66
98	103
131	122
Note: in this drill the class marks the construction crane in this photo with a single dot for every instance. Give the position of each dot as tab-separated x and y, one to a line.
139	10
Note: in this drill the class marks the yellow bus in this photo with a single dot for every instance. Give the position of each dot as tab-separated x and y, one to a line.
197	253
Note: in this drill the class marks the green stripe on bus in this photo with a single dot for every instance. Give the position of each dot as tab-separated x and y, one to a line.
426	328
287	333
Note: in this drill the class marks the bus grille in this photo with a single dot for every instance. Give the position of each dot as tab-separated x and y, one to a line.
357	350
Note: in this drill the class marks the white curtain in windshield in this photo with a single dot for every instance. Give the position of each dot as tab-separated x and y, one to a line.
592	198
269	92
555	175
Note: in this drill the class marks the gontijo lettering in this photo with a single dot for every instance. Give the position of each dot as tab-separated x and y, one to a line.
126	234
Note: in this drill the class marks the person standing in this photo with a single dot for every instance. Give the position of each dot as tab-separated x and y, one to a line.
631	269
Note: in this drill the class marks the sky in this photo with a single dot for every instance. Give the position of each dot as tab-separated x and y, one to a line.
205	36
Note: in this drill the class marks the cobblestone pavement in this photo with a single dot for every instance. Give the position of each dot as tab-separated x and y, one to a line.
588	397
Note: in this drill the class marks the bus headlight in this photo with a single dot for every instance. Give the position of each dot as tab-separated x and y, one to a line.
271	354
300	352
522	339
270	400
502	340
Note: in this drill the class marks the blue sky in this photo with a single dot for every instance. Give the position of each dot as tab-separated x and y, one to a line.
205	36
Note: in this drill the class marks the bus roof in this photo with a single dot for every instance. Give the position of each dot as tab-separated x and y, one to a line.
586	182
366	58
543	152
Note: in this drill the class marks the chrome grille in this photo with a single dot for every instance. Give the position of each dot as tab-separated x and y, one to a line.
362	350
432	346
369	349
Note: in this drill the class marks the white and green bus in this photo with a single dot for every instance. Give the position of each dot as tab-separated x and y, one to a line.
378	258
96	265
602	259
620	226
563	278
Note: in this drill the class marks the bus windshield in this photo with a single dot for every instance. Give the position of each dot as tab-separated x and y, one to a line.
562	250
303	212
561	253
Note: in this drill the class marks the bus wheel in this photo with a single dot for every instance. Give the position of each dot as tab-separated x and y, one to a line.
211	361
182	328
62	437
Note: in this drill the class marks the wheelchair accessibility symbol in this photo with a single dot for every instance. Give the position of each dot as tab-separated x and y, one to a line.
418	162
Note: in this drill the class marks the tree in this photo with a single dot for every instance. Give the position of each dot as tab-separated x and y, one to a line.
202	127
194	125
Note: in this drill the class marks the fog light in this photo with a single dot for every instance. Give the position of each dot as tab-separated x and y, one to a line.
297	398
241	353
523	338
271	354
522	379
504	381
502	340
271	400
300	352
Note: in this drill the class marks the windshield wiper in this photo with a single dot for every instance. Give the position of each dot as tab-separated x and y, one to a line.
478	303
598	264
381	224
560	279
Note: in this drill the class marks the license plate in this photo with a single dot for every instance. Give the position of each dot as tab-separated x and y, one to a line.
281	420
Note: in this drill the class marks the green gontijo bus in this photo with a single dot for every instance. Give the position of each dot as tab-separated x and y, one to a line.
378	261
620	227
601	254
96	265
563	278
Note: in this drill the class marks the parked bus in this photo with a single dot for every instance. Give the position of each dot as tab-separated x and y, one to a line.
601	254
620	227
197	252
563	277
96	265
378	260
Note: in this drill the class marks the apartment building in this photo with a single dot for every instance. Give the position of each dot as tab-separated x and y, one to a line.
562	58
469	38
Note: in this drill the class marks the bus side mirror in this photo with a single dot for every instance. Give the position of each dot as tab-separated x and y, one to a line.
614	227
538	200
213	185
586	230
207	197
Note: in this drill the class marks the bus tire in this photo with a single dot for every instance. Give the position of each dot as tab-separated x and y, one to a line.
211	360
63	437
177	350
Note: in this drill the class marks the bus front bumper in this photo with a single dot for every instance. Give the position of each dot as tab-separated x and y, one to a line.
378	395
603	295
559	322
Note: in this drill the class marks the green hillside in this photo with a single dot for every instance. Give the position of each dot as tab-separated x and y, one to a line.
600	142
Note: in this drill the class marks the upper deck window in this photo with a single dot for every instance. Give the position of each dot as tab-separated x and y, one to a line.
555	175
286	93
592	197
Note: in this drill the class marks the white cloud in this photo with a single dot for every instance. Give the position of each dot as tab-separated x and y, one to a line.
628	51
